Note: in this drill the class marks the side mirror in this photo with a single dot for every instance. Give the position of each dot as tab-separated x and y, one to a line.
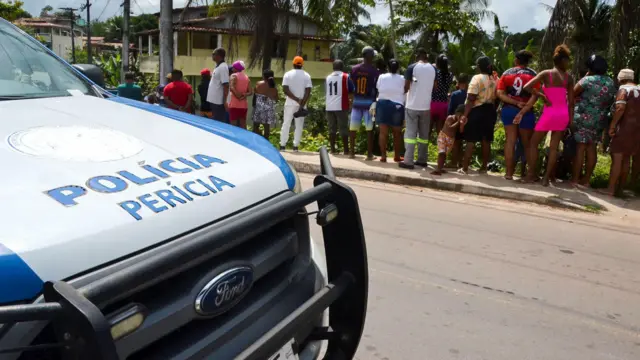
93	72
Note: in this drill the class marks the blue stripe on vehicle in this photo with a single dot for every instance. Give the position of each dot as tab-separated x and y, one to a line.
242	137
17	280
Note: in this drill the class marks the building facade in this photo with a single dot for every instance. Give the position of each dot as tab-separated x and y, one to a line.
198	35
56	33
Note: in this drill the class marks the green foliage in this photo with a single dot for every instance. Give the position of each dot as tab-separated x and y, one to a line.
98	28
12	11
430	20
531	39
600	177
46	10
112	28
33	34
376	36
345	14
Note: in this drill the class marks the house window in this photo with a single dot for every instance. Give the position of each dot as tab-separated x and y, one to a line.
213	41
317	53
276	50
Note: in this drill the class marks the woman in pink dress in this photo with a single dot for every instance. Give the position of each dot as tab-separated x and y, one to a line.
557	94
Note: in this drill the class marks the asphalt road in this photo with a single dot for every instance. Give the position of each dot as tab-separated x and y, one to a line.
458	277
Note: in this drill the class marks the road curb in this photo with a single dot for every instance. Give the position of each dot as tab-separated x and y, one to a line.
310	168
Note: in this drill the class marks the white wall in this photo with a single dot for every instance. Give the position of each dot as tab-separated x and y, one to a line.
61	45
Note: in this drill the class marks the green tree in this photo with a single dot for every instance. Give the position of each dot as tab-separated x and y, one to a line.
434	20
625	33
519	41
111	29
584	24
463	53
375	36
46	10
268	17
98	28
345	14
12	11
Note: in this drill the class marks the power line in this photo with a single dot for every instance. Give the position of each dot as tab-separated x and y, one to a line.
138	5
103	9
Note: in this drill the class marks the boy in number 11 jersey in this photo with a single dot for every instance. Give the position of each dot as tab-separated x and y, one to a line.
365	77
337	88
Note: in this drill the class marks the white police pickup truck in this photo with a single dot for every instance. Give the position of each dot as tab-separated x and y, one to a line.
131	231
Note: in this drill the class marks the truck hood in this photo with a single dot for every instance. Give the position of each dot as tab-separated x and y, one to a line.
90	180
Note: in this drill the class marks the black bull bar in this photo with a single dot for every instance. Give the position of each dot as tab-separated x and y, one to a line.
83	332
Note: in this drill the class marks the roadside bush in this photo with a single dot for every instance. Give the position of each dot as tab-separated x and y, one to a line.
600	178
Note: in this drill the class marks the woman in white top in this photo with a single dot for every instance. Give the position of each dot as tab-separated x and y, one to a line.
390	110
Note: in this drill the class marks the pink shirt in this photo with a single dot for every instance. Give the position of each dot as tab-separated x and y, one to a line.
242	85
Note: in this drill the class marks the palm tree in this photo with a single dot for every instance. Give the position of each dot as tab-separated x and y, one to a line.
428	37
375	36
268	17
625	24
584	24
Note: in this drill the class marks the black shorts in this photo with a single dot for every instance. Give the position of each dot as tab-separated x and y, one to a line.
481	124
338	121
219	113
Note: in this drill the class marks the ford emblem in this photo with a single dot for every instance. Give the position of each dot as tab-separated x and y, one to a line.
224	291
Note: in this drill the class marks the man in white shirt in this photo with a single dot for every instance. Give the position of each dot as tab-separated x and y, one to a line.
296	84
338	86
420	79
219	87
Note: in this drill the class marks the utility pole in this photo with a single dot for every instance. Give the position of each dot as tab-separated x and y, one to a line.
125	38
73	35
166	39
87	6
393	30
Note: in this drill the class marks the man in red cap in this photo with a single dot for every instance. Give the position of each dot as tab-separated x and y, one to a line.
203	89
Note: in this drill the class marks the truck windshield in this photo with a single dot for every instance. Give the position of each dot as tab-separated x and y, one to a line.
28	70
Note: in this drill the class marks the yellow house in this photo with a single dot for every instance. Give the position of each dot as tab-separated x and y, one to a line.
197	36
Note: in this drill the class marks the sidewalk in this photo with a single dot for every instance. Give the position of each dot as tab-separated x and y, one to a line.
493	185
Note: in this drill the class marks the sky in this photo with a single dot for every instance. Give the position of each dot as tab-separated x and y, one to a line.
517	16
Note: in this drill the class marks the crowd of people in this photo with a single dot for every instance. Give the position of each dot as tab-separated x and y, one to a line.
429	98
583	113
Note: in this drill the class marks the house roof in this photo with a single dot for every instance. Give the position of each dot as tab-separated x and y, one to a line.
229	31
245	7
43	23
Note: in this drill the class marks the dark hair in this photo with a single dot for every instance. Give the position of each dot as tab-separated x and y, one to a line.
421	53
129	76
394	66
460	109
176	74
524	56
561	53
484	65
597	65
220	52
267	75
442	63
338	65
463	78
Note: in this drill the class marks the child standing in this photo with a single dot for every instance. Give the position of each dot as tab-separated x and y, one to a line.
458	98
447	135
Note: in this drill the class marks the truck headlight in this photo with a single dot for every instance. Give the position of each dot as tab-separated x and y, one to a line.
297	188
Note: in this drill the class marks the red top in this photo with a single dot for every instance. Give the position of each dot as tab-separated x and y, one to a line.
178	92
513	80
